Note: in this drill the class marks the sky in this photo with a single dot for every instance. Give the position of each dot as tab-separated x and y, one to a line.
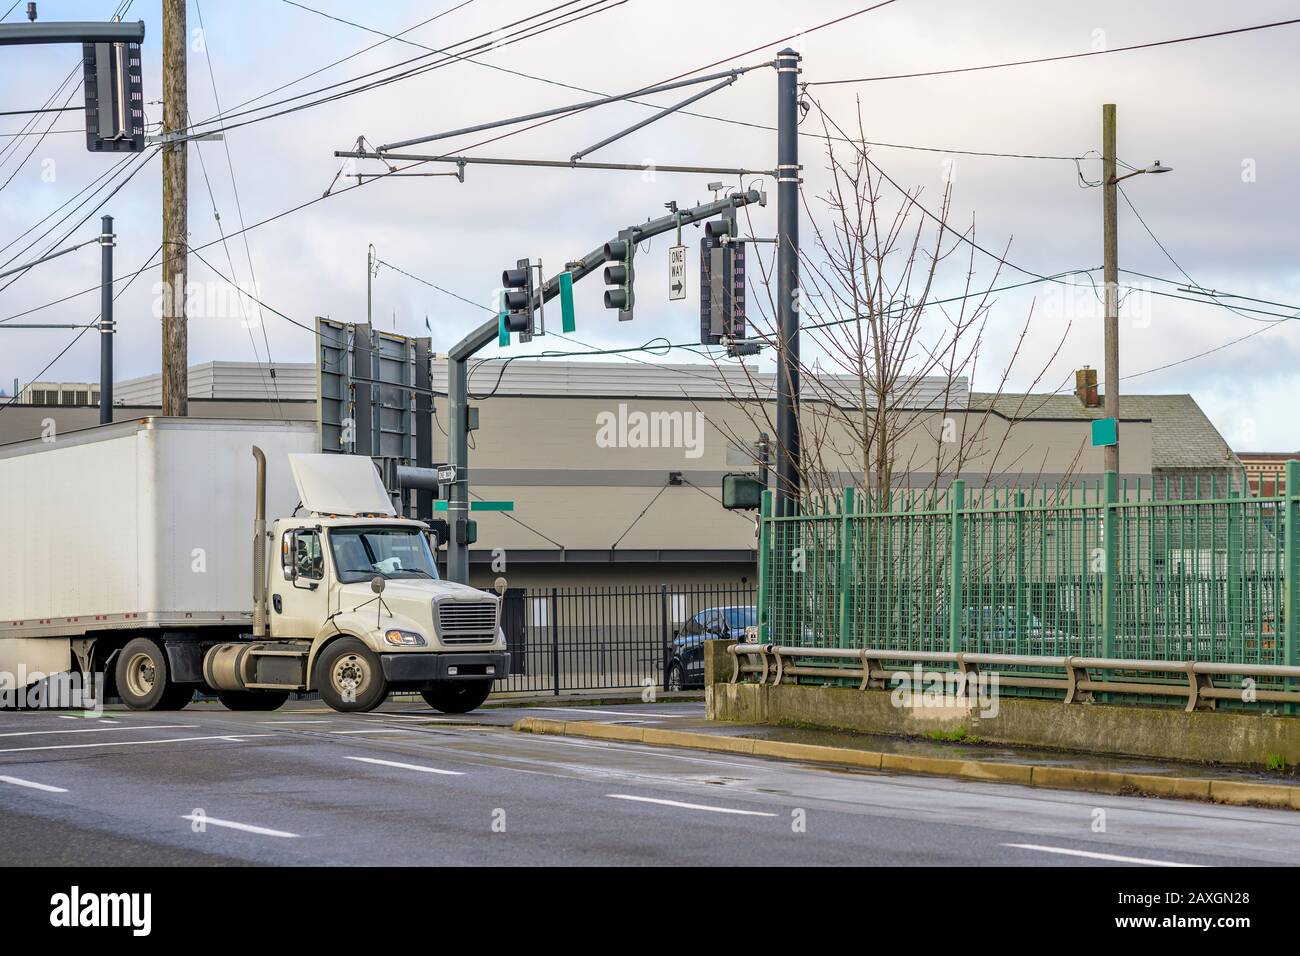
1220	111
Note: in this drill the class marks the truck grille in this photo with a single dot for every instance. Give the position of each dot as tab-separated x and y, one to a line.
467	623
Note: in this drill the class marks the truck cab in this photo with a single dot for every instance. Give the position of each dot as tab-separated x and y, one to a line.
348	602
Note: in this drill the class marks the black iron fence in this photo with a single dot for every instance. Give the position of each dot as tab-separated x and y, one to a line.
602	638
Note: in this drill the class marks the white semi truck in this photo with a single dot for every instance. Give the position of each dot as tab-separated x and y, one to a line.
174	555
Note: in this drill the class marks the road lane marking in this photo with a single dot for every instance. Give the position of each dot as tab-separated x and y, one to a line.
19	782
277	722
1098	856
374	730
690	806
613	713
99	730
231	738
232	825
381	715
407	766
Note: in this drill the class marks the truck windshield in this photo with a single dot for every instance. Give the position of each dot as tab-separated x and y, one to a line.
361	553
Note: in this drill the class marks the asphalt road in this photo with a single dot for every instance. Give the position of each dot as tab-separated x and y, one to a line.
405	785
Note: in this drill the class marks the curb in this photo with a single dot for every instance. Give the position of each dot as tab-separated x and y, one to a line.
1233	792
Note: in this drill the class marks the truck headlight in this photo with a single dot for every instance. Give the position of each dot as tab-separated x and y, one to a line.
404	638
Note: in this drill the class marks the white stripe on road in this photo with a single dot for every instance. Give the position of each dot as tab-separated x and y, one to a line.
375	730
19	782
689	806
100	730
1097	856
232	825
612	713
231	738
295	721
407	766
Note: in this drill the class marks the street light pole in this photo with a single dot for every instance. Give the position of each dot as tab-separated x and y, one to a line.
1110	276
788	468
106	321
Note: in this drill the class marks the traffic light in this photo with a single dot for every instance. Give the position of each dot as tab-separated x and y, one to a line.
619	274
517	302
111	77
722	287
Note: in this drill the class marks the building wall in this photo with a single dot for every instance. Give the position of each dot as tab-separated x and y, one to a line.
22	422
574	491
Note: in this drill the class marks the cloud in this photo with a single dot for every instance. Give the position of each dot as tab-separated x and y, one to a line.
1204	108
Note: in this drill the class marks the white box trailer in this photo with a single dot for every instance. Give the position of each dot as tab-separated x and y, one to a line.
130	526
147	551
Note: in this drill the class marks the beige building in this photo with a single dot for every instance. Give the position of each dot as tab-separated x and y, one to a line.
615	469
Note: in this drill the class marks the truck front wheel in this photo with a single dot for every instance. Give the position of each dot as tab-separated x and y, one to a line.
144	681
350	677
457	697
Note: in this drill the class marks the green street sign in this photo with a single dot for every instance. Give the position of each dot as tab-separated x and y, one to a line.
479	506
1105	431
568	321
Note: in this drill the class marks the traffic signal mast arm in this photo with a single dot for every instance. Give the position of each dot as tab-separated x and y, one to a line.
21	34
486	333
460	528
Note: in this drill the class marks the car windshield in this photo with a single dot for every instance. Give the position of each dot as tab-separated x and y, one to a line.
739	616
394	552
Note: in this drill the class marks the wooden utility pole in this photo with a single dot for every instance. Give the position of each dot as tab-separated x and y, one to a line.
175	241
1110	275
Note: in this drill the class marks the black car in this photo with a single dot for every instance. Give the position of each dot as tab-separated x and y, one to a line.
685	661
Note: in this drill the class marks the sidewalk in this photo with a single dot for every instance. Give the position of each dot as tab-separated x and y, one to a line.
966	759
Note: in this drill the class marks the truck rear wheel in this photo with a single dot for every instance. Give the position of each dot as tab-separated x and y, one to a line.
457	697
252	699
350	677
144	680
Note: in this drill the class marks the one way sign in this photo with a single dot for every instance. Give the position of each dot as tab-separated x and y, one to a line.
676	273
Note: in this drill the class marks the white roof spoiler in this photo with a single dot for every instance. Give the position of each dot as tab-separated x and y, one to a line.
340	485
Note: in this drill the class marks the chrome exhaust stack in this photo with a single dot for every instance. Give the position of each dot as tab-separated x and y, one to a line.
259	548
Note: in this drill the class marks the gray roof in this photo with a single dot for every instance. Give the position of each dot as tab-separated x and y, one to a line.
294	382
1181	434
696	381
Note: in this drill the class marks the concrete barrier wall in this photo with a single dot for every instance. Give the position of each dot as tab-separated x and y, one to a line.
1201	736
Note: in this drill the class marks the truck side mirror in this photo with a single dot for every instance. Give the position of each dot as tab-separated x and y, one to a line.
287	562
499	586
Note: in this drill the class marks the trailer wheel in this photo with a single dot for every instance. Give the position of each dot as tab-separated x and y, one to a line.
252	699
350	677
144	681
457	697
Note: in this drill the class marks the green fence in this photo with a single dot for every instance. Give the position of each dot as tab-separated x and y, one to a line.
1137	571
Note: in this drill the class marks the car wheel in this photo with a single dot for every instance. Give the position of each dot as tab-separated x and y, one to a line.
676	680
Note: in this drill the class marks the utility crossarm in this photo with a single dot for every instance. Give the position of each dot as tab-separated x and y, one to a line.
22	34
463	161
574	107
458	370
666	111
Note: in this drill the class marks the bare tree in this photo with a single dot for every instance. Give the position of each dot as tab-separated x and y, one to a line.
886	394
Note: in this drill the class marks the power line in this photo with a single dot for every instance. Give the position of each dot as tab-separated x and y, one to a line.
239	209
524	34
1053	59
44	109
431	285
350	56
76	338
144	157
693	113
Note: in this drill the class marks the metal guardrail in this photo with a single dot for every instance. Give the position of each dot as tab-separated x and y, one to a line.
1071	675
